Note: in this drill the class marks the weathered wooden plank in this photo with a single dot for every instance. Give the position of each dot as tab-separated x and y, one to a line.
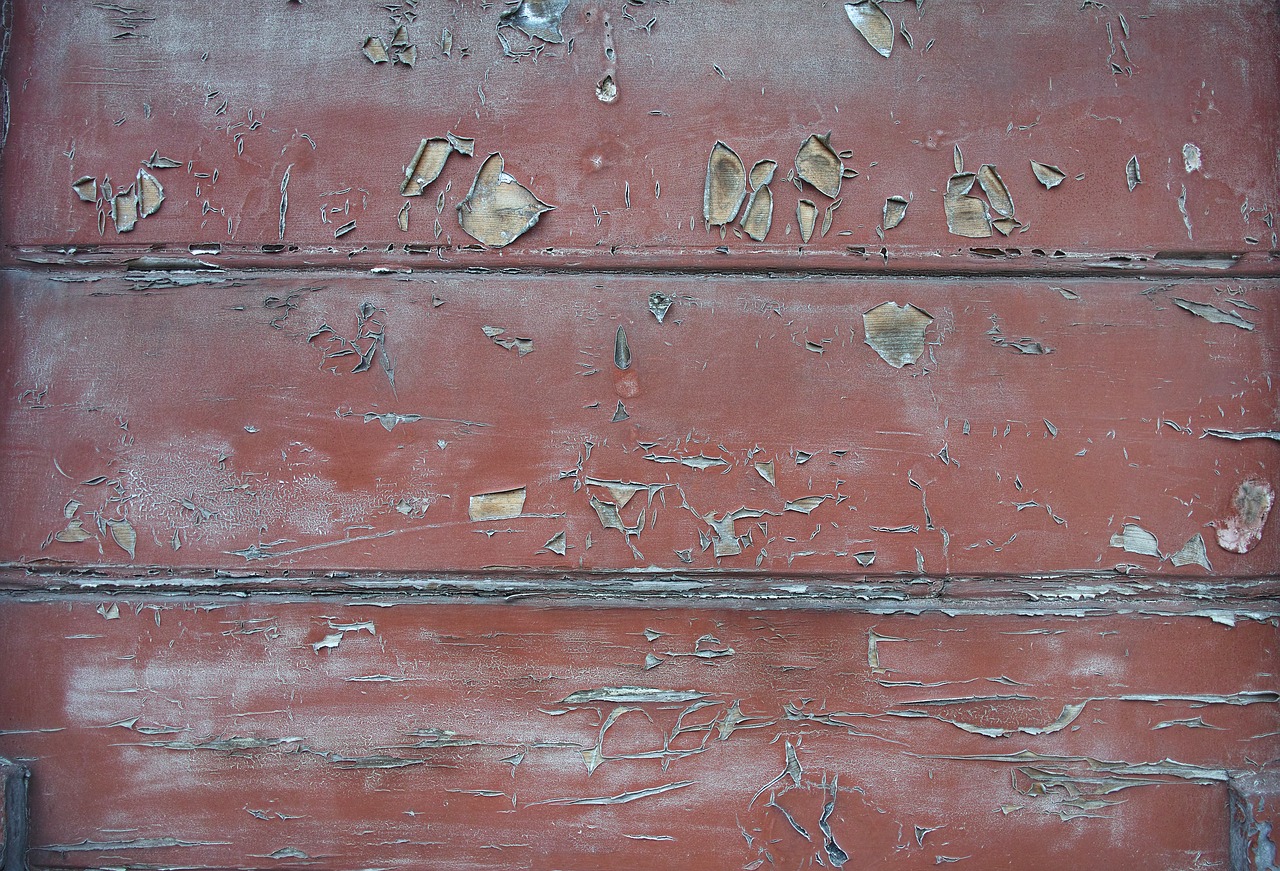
265	399
396	733
216	421
14	816
243	102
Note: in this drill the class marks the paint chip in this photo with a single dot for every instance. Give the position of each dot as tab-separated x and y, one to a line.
896	332
375	50
73	534
1191	157
726	186
659	304
390	421
520	345
623	695
806	504
895	210
86	188
331	640
762	173
765	470
498	209
607	89
1134	539
758	217
1212	313
1252	502
155	161
966	215
556	544
873	23
427	164
500	505
997	193
123	534
1192	553
819	165
538	18
124	210
407	55
150	194
1133	173
807	218
621	350
1048	175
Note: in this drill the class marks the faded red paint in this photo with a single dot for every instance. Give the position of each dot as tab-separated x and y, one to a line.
240	623
135	698
1009	84
210	421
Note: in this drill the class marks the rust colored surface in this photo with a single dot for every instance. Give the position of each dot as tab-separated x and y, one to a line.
713	435
286	93
220	417
338	734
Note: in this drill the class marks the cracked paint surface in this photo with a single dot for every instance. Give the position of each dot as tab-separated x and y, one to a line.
641	98
717	515
467	734
253	452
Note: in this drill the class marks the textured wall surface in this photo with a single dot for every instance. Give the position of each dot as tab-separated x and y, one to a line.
575	435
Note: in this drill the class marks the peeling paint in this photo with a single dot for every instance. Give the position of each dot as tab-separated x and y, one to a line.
1252	503
498	209
896	332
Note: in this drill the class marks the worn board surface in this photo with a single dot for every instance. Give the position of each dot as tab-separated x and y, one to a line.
914	537
389	733
95	90
220	417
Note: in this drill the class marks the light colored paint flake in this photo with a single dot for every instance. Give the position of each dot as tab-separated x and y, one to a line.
499	505
1134	539
896	332
1191	158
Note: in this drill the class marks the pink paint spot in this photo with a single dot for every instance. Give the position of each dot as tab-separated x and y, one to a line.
1252	501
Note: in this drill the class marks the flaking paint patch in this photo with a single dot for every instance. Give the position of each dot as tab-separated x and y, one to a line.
425	167
758	217
499	505
966	215
540	19
726	186
896	332
1134	539
1191	158
1192	553
806	218
818	164
1212	313
498	209
1047	174
873	23
894	212
1252	503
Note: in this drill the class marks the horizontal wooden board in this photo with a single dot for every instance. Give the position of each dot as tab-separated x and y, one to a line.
254	105
336	733
217	421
